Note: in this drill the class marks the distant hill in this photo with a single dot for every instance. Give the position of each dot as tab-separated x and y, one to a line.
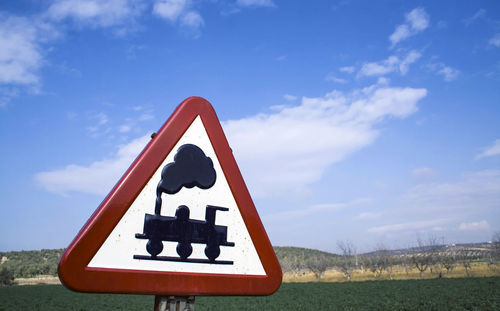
481	248
292	252
31	263
25	264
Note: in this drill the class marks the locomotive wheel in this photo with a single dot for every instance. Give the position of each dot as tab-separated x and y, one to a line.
212	251
154	247
184	250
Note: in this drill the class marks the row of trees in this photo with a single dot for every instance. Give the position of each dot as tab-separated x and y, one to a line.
428	255
24	264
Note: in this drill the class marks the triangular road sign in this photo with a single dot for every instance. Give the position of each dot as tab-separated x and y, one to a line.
179	222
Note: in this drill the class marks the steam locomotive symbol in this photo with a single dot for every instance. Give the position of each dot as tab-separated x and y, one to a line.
191	167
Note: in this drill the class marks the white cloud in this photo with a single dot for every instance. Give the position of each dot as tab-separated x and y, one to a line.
449	73
389	65
6	94
289	97
97	178
404	65
379	68
146	117
99	125
102	118
495	40
479	14
20	52
477	191
415	21
255	3
125	128
418	19
314	209
413	225
347	69
491	151
422	171
192	19
438	228
179	11
478	225
402	32
334	79
96	13
170	9
282	58
433	205
369	215
278	152
288	149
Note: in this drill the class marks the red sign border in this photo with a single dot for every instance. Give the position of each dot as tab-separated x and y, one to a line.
73	270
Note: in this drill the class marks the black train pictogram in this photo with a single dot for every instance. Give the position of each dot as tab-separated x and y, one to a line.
191	167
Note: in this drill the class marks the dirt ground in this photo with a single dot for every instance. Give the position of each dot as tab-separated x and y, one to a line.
42	279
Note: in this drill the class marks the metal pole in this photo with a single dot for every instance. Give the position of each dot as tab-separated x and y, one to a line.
174	303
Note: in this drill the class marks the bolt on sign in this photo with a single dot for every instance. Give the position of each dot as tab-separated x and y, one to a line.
180	221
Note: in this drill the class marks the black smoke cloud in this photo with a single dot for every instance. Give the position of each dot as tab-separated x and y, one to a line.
191	167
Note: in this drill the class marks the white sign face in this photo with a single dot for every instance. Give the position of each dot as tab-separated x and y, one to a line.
162	242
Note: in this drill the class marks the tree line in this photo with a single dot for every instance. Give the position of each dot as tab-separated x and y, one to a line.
428	256
25	264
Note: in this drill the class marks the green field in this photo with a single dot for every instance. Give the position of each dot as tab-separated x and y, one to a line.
431	294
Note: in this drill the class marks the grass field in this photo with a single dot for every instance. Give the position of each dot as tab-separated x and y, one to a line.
427	294
478	269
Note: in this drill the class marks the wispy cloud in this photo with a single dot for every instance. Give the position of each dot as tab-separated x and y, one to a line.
490	151
334	79
255	3
449	73
422	171
192	19
391	64
477	225
415	21
23	40
439	206
170	9
6	94
96	13
347	69
368	215
474	191
98	126
290	98
495	40
479	14
282	57
97	178
412	226
314	209
125	128
146	116
179	11
20	49
104	124
346	123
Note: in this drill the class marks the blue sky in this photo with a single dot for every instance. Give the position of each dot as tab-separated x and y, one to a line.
373	121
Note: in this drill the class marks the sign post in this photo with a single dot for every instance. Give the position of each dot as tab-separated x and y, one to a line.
173	303
180	222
